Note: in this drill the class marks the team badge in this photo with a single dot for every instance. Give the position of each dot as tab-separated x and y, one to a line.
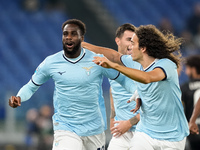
88	70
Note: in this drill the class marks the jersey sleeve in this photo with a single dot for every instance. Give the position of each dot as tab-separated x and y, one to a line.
108	72
128	62
27	91
169	68
129	84
111	73
41	74
38	78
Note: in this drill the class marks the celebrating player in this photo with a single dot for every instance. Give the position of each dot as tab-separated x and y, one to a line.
121	116
77	120
162	124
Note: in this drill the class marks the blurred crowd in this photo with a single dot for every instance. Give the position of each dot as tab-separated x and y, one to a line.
39	129
190	34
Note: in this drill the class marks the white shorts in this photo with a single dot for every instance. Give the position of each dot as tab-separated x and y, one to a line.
142	141
66	140
122	142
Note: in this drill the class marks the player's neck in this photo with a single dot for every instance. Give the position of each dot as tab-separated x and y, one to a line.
73	55
147	61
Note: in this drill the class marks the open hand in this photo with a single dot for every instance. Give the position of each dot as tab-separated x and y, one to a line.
122	127
137	106
103	61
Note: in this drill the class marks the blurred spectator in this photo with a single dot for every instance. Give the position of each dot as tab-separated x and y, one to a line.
39	129
189	48
166	25
197	38
55	5
10	147
45	127
191	93
31	5
32	130
194	20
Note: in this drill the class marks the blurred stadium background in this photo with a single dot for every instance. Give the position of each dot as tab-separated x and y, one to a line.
30	30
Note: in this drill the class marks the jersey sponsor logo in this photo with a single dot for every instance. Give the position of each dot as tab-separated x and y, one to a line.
88	70
61	72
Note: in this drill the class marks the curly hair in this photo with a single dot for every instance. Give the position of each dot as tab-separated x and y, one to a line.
77	22
120	30
159	45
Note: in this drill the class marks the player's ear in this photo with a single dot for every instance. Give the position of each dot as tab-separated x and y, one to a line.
143	49
117	40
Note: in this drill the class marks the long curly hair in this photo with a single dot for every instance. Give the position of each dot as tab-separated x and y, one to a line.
158	44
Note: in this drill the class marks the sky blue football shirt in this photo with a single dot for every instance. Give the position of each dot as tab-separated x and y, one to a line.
77	90
121	96
161	114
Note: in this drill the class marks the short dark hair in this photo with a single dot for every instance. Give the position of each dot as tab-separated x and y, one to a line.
193	61
77	22
121	29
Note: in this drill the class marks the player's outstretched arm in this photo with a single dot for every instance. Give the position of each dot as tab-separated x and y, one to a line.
14	101
111	54
192	125
144	77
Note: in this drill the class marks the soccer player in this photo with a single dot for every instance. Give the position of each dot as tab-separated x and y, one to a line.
194	129
191	94
121	116
77	120
162	124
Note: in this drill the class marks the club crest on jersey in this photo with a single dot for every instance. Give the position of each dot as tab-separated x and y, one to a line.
88	70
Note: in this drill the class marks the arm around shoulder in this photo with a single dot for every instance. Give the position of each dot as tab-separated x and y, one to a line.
111	54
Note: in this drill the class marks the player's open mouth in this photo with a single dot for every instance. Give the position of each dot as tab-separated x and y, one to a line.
69	45
129	49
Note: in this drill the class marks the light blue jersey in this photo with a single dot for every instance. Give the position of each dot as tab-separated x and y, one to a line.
102	106
121	96
161	115
77	91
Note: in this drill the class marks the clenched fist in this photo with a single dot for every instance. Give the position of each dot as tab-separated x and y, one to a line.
14	101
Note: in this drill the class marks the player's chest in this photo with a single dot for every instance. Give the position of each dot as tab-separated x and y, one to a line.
75	73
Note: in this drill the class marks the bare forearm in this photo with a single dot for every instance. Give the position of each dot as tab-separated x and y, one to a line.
134	74
144	77
112	114
134	120
196	112
111	54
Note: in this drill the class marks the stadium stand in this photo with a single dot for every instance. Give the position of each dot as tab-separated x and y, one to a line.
26	38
